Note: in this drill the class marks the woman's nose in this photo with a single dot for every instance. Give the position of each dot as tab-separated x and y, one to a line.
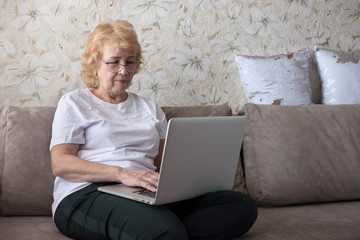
122	70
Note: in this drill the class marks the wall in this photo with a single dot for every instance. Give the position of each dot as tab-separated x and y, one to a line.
189	46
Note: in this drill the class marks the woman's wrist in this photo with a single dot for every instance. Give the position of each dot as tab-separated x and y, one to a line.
119	174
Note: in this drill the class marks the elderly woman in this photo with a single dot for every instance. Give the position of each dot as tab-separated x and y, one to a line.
103	135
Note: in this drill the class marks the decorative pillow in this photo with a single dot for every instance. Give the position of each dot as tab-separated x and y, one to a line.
302	154
340	76
27	184
281	79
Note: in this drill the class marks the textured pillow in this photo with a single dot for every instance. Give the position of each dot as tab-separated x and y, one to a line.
302	154
340	76
27	184
281	79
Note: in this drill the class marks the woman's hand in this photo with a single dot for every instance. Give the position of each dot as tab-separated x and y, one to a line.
139	178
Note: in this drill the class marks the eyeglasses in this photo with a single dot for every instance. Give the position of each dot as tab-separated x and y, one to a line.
130	66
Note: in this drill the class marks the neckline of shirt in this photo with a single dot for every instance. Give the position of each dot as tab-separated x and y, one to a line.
111	105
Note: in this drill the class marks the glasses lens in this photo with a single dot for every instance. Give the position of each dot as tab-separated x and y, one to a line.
113	67
131	67
116	67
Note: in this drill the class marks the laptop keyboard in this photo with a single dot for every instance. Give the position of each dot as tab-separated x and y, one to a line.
145	192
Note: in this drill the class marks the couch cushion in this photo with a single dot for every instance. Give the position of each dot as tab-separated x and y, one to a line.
196	111
2	144
27	178
326	221
29	228
302	154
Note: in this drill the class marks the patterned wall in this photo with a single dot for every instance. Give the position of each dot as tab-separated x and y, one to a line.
189	46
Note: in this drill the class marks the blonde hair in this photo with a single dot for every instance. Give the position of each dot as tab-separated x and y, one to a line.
119	34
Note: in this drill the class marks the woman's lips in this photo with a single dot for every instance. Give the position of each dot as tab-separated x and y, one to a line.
121	80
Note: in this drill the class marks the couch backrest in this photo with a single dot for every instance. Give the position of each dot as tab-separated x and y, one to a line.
2	142
26	175
302	154
25	166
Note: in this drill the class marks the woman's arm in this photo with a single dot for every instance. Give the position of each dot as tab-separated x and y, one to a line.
67	165
157	160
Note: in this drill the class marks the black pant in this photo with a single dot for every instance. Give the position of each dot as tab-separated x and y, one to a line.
90	214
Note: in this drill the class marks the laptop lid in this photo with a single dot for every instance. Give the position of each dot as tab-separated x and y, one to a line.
200	155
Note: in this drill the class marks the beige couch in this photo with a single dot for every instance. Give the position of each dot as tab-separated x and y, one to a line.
301	163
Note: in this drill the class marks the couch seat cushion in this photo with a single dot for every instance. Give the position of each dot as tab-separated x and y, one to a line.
327	221
29	228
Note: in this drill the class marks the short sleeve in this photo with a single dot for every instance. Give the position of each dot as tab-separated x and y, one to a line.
162	127
68	124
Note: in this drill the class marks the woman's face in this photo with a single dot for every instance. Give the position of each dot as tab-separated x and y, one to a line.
112	82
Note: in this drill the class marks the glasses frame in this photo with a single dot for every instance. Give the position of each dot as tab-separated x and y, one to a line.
120	66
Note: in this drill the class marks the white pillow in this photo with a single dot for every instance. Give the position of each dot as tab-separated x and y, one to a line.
280	79
340	76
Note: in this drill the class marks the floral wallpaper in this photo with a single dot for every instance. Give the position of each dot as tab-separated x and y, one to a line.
189	46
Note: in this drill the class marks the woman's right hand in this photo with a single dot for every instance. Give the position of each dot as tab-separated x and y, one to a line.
139	178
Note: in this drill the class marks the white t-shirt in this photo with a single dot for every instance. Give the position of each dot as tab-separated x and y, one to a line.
125	134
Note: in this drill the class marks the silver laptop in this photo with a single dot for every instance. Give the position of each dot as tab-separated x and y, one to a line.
200	155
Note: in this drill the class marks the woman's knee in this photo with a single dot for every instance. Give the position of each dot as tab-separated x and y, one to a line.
229	214
244	211
246	205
